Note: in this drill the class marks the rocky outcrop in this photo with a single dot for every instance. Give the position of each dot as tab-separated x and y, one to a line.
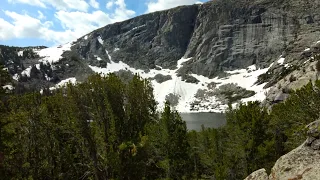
300	163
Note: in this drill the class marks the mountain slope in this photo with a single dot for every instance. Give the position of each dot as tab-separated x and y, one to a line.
206	55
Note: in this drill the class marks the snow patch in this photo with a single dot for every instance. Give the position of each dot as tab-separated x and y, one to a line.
307	49
116	49
100	40
86	37
138	27
9	87
108	55
281	61
26	72
53	54
16	77
244	78
63	83
20	53
97	57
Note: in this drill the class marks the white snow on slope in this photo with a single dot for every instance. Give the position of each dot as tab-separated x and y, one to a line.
9	87
100	40
281	60
138	27
64	82
26	72
97	57
20	53
53	54
245	78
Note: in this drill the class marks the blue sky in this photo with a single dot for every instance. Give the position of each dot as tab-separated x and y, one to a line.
53	22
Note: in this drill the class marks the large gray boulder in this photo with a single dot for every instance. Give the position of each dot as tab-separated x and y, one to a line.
260	174
301	163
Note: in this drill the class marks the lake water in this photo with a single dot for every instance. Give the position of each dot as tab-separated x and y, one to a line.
195	120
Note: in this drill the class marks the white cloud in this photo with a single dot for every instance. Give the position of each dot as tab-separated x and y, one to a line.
30	2
80	5
40	15
109	4
121	12
24	25
6	30
81	23
94	4
159	5
75	23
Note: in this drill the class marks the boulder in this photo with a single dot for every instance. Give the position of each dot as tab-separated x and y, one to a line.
260	174
301	163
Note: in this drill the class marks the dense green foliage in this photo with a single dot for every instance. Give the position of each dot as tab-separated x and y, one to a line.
107	129
254	137
100	129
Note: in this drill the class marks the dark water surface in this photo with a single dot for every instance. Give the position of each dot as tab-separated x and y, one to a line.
195	120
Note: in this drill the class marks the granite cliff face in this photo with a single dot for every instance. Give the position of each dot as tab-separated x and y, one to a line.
218	35
222	43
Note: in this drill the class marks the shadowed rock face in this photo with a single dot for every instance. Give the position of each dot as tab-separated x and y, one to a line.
300	163
219	35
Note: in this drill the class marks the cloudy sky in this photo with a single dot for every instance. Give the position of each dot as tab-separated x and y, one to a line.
52	22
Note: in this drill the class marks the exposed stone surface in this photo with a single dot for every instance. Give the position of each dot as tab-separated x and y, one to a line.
301	163
219	35
162	78
260	174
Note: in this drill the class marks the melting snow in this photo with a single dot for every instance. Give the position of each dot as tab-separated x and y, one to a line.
53	54
281	61
100	40
20	53
64	82
97	57
138	27
10	87
16	77
27	71
108	55
186	91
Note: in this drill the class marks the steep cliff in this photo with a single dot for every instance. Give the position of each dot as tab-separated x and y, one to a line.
201	53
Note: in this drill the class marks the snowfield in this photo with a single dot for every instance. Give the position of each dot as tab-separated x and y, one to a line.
245	78
53	54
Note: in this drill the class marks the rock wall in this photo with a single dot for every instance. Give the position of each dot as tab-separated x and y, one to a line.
219	35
